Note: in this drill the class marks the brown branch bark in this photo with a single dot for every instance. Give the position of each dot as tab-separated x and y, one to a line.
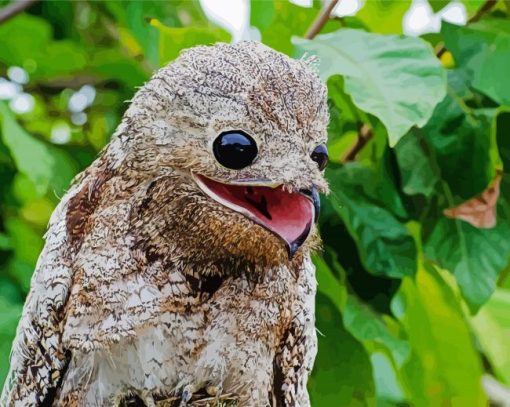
321	20
365	134
14	9
484	9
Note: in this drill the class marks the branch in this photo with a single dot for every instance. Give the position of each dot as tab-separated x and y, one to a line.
14	9
485	8
365	134
320	20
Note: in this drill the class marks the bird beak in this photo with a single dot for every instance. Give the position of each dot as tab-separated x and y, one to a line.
289	215
314	196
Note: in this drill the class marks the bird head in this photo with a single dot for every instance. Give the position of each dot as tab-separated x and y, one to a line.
231	139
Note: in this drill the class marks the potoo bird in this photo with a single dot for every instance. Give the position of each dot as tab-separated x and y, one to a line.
177	266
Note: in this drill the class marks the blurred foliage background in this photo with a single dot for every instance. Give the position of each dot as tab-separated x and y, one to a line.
413	306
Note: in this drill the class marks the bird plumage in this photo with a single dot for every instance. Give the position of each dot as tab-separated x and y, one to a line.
146	286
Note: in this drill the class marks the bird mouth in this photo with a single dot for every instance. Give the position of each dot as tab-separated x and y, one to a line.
289	215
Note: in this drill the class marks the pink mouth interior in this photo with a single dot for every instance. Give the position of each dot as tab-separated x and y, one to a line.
288	214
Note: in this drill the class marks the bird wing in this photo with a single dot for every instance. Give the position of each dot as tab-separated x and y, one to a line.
298	348
38	358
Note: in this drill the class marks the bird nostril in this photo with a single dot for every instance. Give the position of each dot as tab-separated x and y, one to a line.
307	192
249	190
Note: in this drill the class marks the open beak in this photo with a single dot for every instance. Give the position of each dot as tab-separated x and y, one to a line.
289	215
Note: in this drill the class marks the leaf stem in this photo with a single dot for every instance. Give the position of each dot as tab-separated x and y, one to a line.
14	9
320	20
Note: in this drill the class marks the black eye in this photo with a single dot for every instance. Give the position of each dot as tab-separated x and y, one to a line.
320	156
235	149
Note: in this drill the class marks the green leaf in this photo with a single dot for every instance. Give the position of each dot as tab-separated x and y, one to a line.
483	50
418	173
342	373
261	13
287	20
385	246
172	40
397	79
136	33
444	368
492	328
329	285
438	4
111	63
501	128
43	164
5	242
34	44
388	388
384	16
475	256
32	34
366	325
454	136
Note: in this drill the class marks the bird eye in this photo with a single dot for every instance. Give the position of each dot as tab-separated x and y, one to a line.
320	156
235	149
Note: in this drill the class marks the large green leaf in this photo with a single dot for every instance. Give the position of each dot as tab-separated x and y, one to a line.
444	368
329	285
483	50
342	373
475	256
397	79
366	325
459	148
43	164
384	244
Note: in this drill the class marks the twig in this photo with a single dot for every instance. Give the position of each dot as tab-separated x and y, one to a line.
14	9
365	133
484	9
321	20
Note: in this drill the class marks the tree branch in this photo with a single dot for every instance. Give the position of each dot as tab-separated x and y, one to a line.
321	20
365	134
14	9
484	9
